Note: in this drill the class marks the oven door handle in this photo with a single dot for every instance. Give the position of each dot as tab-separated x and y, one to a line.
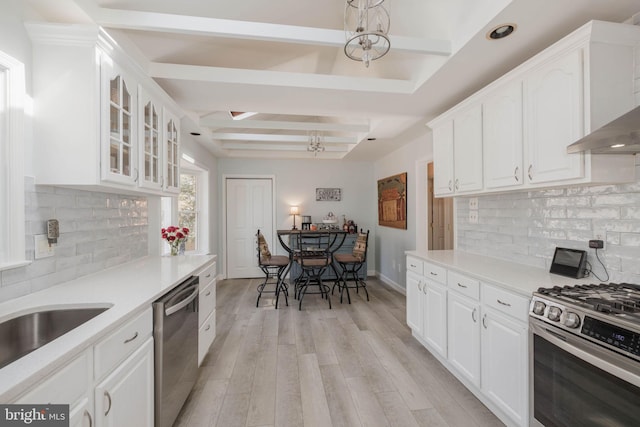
577	346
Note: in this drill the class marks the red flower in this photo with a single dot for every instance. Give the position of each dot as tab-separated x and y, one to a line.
185	230
171	238
179	235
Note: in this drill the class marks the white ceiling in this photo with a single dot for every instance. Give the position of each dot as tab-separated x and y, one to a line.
284	59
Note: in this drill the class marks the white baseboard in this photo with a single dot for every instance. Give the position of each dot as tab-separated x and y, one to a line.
394	285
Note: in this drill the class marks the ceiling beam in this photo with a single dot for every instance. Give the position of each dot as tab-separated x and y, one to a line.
270	137
214	27
280	125
278	78
285	147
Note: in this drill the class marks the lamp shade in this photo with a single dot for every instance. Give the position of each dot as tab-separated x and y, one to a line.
294	210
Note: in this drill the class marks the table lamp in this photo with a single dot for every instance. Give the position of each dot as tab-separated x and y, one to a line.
294	210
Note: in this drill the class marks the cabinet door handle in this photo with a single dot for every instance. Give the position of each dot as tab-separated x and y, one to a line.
462	286
473	315
88	415
484	321
207	294
128	340
457	184
424	289
450	188
137	175
515	173
207	276
420	286
529	172
208	327
108	396
503	303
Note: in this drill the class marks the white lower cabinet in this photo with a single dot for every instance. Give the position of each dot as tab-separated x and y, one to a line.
125	397
414	303
435	316
478	331
206	309
463	331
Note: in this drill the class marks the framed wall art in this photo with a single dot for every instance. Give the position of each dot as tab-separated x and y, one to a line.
328	194
392	201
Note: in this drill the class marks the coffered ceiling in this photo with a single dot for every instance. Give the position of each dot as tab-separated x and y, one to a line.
284	61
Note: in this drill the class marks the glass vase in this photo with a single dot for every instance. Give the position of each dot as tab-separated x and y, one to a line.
174	250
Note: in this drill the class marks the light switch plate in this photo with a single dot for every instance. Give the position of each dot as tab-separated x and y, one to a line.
43	250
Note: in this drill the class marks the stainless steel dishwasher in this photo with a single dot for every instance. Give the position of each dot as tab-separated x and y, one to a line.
175	334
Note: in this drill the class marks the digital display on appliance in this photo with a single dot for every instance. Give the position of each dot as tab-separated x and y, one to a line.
569	262
613	335
569	258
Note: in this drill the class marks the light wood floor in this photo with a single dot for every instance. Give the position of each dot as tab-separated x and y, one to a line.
353	365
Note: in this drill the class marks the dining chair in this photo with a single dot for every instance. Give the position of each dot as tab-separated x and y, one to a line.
313	256
351	264
273	267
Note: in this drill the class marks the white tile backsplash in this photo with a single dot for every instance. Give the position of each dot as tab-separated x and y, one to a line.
525	227
97	231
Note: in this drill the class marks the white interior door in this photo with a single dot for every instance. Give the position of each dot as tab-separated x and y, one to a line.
249	204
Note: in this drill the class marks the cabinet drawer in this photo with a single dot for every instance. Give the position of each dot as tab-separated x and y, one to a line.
206	302
435	273
463	284
117	346
207	275
414	265
506	302
67	386
206	335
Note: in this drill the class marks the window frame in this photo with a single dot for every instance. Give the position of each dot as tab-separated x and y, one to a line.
13	254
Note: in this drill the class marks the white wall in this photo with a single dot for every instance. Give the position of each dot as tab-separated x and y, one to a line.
391	243
296	182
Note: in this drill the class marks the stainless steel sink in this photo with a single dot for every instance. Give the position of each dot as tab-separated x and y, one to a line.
22	335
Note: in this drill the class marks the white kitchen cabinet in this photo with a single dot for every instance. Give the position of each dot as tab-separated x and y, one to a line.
555	118
415	296
463	333
443	177
435	316
502	137
125	397
467	149
206	309
505	364
150	148
531	114
457	153
92	132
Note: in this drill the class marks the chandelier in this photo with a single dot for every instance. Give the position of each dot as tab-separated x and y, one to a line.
366	24
315	143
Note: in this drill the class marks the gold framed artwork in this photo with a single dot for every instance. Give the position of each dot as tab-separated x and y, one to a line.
392	201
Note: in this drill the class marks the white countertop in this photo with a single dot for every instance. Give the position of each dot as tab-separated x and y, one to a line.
518	278
129	288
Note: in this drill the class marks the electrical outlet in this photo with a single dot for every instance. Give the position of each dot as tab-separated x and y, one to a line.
42	247
473	203
473	217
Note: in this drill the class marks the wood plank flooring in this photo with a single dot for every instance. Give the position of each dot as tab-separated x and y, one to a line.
353	365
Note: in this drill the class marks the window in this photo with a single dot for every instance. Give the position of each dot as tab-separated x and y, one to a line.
188	208
12	207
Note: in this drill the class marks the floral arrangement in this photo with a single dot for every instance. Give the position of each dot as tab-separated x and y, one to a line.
175	236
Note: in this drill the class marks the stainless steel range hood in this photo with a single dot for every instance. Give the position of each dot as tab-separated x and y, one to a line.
621	136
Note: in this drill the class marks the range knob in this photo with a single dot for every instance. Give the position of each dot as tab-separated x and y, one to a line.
538	308
571	320
554	313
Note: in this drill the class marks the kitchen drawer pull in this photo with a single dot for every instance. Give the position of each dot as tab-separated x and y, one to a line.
473	315
132	338
88	415
207	276
432	273
207	328
515	173
462	286
529	172
484	321
108	396
503	303
207	294
413	265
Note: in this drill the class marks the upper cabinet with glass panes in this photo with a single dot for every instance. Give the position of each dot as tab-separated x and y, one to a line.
101	123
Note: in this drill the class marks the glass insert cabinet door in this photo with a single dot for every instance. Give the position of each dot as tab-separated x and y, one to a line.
172	147
150	150
119	96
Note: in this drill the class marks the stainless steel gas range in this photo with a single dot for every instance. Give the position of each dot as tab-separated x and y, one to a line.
585	355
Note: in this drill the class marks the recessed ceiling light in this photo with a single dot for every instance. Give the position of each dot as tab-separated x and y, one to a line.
501	31
617	145
195	133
